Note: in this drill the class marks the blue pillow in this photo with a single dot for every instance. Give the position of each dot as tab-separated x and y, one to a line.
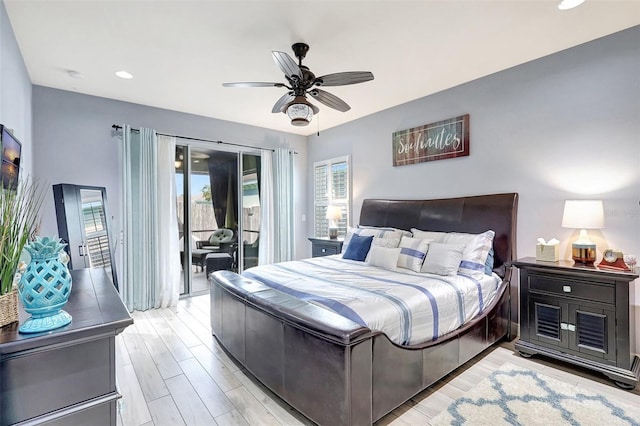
488	264
358	248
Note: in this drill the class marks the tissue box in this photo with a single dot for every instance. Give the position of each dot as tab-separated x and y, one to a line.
547	252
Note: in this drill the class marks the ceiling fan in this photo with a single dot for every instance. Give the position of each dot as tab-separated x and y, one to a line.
301	81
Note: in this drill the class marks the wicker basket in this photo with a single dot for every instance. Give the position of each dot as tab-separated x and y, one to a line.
9	308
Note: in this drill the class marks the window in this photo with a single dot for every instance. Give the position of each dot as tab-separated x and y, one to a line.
331	188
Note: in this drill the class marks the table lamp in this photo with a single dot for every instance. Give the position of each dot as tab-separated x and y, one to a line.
583	215
334	213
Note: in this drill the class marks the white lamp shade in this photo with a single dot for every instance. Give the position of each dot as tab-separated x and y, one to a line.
334	212
583	214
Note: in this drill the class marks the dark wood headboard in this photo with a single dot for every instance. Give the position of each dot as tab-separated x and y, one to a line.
475	214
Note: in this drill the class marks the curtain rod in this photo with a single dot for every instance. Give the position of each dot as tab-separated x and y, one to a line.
117	127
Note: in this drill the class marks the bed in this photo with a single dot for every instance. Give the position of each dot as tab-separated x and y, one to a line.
334	368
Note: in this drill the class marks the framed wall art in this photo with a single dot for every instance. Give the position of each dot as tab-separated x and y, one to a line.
436	141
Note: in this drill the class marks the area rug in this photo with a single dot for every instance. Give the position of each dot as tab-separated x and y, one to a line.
517	396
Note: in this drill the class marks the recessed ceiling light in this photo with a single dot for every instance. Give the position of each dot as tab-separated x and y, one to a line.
124	74
569	4
75	74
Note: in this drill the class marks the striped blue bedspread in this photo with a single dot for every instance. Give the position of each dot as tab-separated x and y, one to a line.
408	307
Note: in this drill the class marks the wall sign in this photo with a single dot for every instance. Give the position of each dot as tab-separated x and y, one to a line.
431	142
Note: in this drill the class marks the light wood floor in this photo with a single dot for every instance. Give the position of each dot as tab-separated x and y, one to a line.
171	371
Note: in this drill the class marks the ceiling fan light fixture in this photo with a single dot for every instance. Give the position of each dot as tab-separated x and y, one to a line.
300	111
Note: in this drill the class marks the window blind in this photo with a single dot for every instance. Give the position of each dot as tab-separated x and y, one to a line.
331	187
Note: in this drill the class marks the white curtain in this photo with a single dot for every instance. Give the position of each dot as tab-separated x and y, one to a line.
151	258
168	256
276	197
266	252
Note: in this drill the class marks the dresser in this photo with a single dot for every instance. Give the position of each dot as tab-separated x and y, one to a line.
579	315
325	246
66	376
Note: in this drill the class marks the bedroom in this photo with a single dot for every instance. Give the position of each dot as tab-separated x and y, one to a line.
526	123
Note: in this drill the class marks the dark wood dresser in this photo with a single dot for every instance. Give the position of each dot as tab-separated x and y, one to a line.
66	376
579	315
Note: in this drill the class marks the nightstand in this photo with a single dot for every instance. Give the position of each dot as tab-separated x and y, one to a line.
579	315
325	246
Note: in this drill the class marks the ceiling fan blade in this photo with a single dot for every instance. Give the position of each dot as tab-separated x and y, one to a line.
253	84
344	78
280	104
329	100
287	64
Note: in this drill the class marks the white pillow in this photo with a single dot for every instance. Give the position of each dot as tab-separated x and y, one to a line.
391	242
366	232
387	228
384	242
477	248
412	253
443	259
383	257
427	235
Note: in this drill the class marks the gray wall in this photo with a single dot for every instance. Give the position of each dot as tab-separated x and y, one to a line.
562	127
566	126
74	143
15	92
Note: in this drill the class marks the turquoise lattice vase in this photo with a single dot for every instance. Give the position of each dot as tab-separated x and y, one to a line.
45	286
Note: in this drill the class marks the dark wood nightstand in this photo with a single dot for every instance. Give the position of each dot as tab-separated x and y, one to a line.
325	246
579	315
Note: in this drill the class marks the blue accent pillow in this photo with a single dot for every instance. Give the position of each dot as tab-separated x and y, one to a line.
358	248
488	264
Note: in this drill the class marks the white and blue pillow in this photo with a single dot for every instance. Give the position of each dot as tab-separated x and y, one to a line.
412	253
477	247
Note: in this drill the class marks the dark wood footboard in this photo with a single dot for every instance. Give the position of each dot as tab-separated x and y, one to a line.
332	370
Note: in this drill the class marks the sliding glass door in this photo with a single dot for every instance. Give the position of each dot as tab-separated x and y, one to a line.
218	192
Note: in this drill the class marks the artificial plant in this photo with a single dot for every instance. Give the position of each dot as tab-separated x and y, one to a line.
19	208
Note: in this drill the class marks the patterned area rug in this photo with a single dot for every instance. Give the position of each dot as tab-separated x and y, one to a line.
517	396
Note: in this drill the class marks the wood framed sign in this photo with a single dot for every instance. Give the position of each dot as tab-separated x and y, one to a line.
431	142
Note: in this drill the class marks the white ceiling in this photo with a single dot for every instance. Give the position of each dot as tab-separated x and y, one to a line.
181	51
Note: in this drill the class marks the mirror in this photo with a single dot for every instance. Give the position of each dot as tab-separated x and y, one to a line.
82	217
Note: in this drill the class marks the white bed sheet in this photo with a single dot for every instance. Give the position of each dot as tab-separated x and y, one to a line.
408	307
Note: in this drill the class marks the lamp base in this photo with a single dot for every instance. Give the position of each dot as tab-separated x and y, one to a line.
333	233
583	254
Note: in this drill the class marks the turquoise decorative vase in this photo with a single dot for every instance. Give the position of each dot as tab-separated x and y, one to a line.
45	286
